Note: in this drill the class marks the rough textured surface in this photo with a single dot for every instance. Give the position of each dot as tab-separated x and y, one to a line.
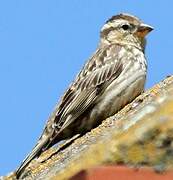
141	134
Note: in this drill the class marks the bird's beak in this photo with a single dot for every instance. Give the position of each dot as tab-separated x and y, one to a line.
143	30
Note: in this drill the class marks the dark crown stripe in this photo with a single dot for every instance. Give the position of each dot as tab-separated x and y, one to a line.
123	16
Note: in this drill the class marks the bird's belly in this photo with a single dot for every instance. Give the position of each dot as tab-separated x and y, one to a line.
117	95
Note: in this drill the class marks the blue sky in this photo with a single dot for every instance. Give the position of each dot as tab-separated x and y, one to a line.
43	44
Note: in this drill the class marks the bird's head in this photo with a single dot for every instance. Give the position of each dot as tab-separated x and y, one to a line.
125	29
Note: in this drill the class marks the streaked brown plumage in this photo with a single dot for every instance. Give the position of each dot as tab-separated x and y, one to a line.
112	77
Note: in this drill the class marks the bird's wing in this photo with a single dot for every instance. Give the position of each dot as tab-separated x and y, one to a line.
103	67
100	70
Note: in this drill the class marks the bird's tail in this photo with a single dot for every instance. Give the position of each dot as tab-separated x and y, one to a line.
37	150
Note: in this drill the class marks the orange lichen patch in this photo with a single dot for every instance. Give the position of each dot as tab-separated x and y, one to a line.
149	141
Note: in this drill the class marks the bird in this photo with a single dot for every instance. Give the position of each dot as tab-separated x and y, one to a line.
112	77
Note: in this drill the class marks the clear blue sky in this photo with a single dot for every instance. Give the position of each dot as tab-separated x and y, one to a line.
43	44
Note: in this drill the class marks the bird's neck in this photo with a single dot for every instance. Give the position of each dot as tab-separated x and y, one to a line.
139	44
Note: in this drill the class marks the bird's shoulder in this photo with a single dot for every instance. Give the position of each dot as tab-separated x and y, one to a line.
98	67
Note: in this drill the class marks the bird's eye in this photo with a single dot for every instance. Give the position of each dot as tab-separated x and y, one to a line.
125	27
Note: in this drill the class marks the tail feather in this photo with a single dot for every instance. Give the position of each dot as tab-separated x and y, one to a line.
37	150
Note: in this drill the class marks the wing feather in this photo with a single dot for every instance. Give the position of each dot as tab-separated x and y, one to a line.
83	92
